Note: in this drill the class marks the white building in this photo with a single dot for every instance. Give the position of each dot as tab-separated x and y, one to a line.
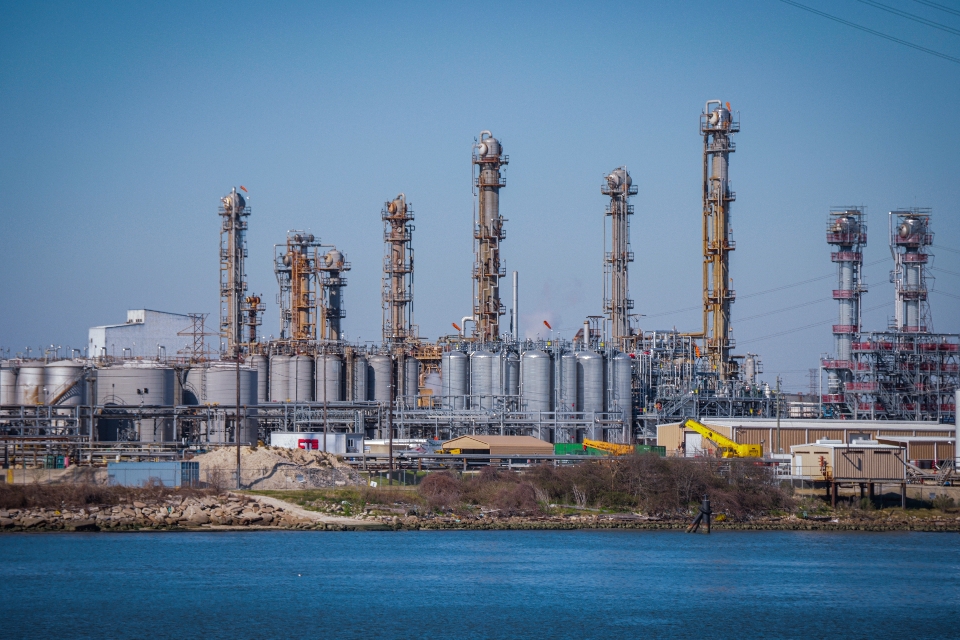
145	334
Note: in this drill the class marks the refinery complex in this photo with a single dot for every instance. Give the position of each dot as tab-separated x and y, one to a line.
154	384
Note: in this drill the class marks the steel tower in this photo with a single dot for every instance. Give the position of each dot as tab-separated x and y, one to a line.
910	235
487	233
619	186
233	250
397	287
717	125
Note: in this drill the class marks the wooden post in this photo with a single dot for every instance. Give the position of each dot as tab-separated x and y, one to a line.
903	495
833	494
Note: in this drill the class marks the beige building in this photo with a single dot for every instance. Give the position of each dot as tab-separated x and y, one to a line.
500	445
860	461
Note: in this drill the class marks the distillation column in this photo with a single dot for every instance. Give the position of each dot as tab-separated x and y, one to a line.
847	231
717	125
487	233
397	286
619	186
910	235
295	265
332	282
233	250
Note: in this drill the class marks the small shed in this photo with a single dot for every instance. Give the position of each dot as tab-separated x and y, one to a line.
145	474
859	461
500	445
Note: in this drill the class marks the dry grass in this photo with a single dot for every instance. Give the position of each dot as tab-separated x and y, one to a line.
56	496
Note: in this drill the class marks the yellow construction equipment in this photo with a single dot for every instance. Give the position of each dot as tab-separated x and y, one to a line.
727	447
610	447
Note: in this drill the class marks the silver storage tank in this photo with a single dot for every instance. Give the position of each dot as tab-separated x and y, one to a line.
536	381
434	383
65	384
590	382
381	372
360	391
482	364
30	382
329	378
411	380
134	384
567	384
301	379
454	373
621	372
8	384
262	365
512	374
221	389
279	378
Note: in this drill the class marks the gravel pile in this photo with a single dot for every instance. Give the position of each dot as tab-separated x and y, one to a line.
276	468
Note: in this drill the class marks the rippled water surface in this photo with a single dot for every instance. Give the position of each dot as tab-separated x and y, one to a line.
583	584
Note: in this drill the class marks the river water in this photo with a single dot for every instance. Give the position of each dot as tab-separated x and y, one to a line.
553	584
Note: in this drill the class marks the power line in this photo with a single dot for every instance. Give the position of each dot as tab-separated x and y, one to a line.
910	16
871	31
806	326
938	246
953	273
790	308
938	6
944	293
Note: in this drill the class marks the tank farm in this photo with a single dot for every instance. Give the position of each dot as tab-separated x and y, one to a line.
612	381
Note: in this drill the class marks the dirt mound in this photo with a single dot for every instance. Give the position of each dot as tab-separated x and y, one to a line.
275	468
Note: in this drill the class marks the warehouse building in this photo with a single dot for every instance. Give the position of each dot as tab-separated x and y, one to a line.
145	334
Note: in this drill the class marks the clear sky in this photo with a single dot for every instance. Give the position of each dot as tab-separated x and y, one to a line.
122	124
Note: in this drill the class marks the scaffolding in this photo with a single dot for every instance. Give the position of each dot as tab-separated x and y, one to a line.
311	288
397	285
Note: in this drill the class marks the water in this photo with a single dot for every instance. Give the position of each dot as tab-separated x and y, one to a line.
579	584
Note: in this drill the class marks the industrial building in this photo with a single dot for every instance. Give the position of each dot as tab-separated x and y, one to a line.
156	381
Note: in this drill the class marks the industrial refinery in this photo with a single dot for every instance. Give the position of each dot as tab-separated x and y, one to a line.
613	381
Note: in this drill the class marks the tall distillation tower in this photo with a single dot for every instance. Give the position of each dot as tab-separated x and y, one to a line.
311	285
910	235
847	231
233	251
619	186
717	125
397	287
487	233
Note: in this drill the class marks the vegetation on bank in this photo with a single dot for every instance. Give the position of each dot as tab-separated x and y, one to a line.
69	495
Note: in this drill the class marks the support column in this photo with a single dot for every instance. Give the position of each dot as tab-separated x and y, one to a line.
833	495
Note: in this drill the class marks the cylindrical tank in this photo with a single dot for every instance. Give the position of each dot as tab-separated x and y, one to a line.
536	381
750	369
482	364
434	383
301	379
512	374
454	371
329	377
30	382
65	383
134	385
621	370
262	365
381	369
360	391
8	384
568	383
411	380
590	382
221	385
279	378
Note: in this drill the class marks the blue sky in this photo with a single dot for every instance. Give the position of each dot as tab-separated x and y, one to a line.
122	125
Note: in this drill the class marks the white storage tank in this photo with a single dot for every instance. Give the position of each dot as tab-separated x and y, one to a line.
133	385
262	365
30	382
360	377
621	373
279	378
434	384
590	382
536	381
381	374
221	385
411	380
454	373
512	374
65	384
567	384
300	379
329	375
8	384
482	364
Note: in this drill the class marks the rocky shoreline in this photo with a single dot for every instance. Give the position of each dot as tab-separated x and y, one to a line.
238	512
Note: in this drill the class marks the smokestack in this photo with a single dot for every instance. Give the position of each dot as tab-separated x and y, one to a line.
515	319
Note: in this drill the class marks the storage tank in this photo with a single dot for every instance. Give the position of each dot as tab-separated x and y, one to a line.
381	371
482	364
621	373
30	382
512	374
262	366
279	378
536	378
300	379
568	383
8	384
590	382
65	384
454	373
329	376
132	385
411	380
360	375
221	385
434	383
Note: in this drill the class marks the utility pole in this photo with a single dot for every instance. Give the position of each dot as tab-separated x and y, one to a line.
390	409
779	448
236	423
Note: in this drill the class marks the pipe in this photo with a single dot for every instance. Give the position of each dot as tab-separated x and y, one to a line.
956	435
463	324
706	107
515	321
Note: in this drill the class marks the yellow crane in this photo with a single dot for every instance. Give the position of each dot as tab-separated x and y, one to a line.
728	448
610	447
